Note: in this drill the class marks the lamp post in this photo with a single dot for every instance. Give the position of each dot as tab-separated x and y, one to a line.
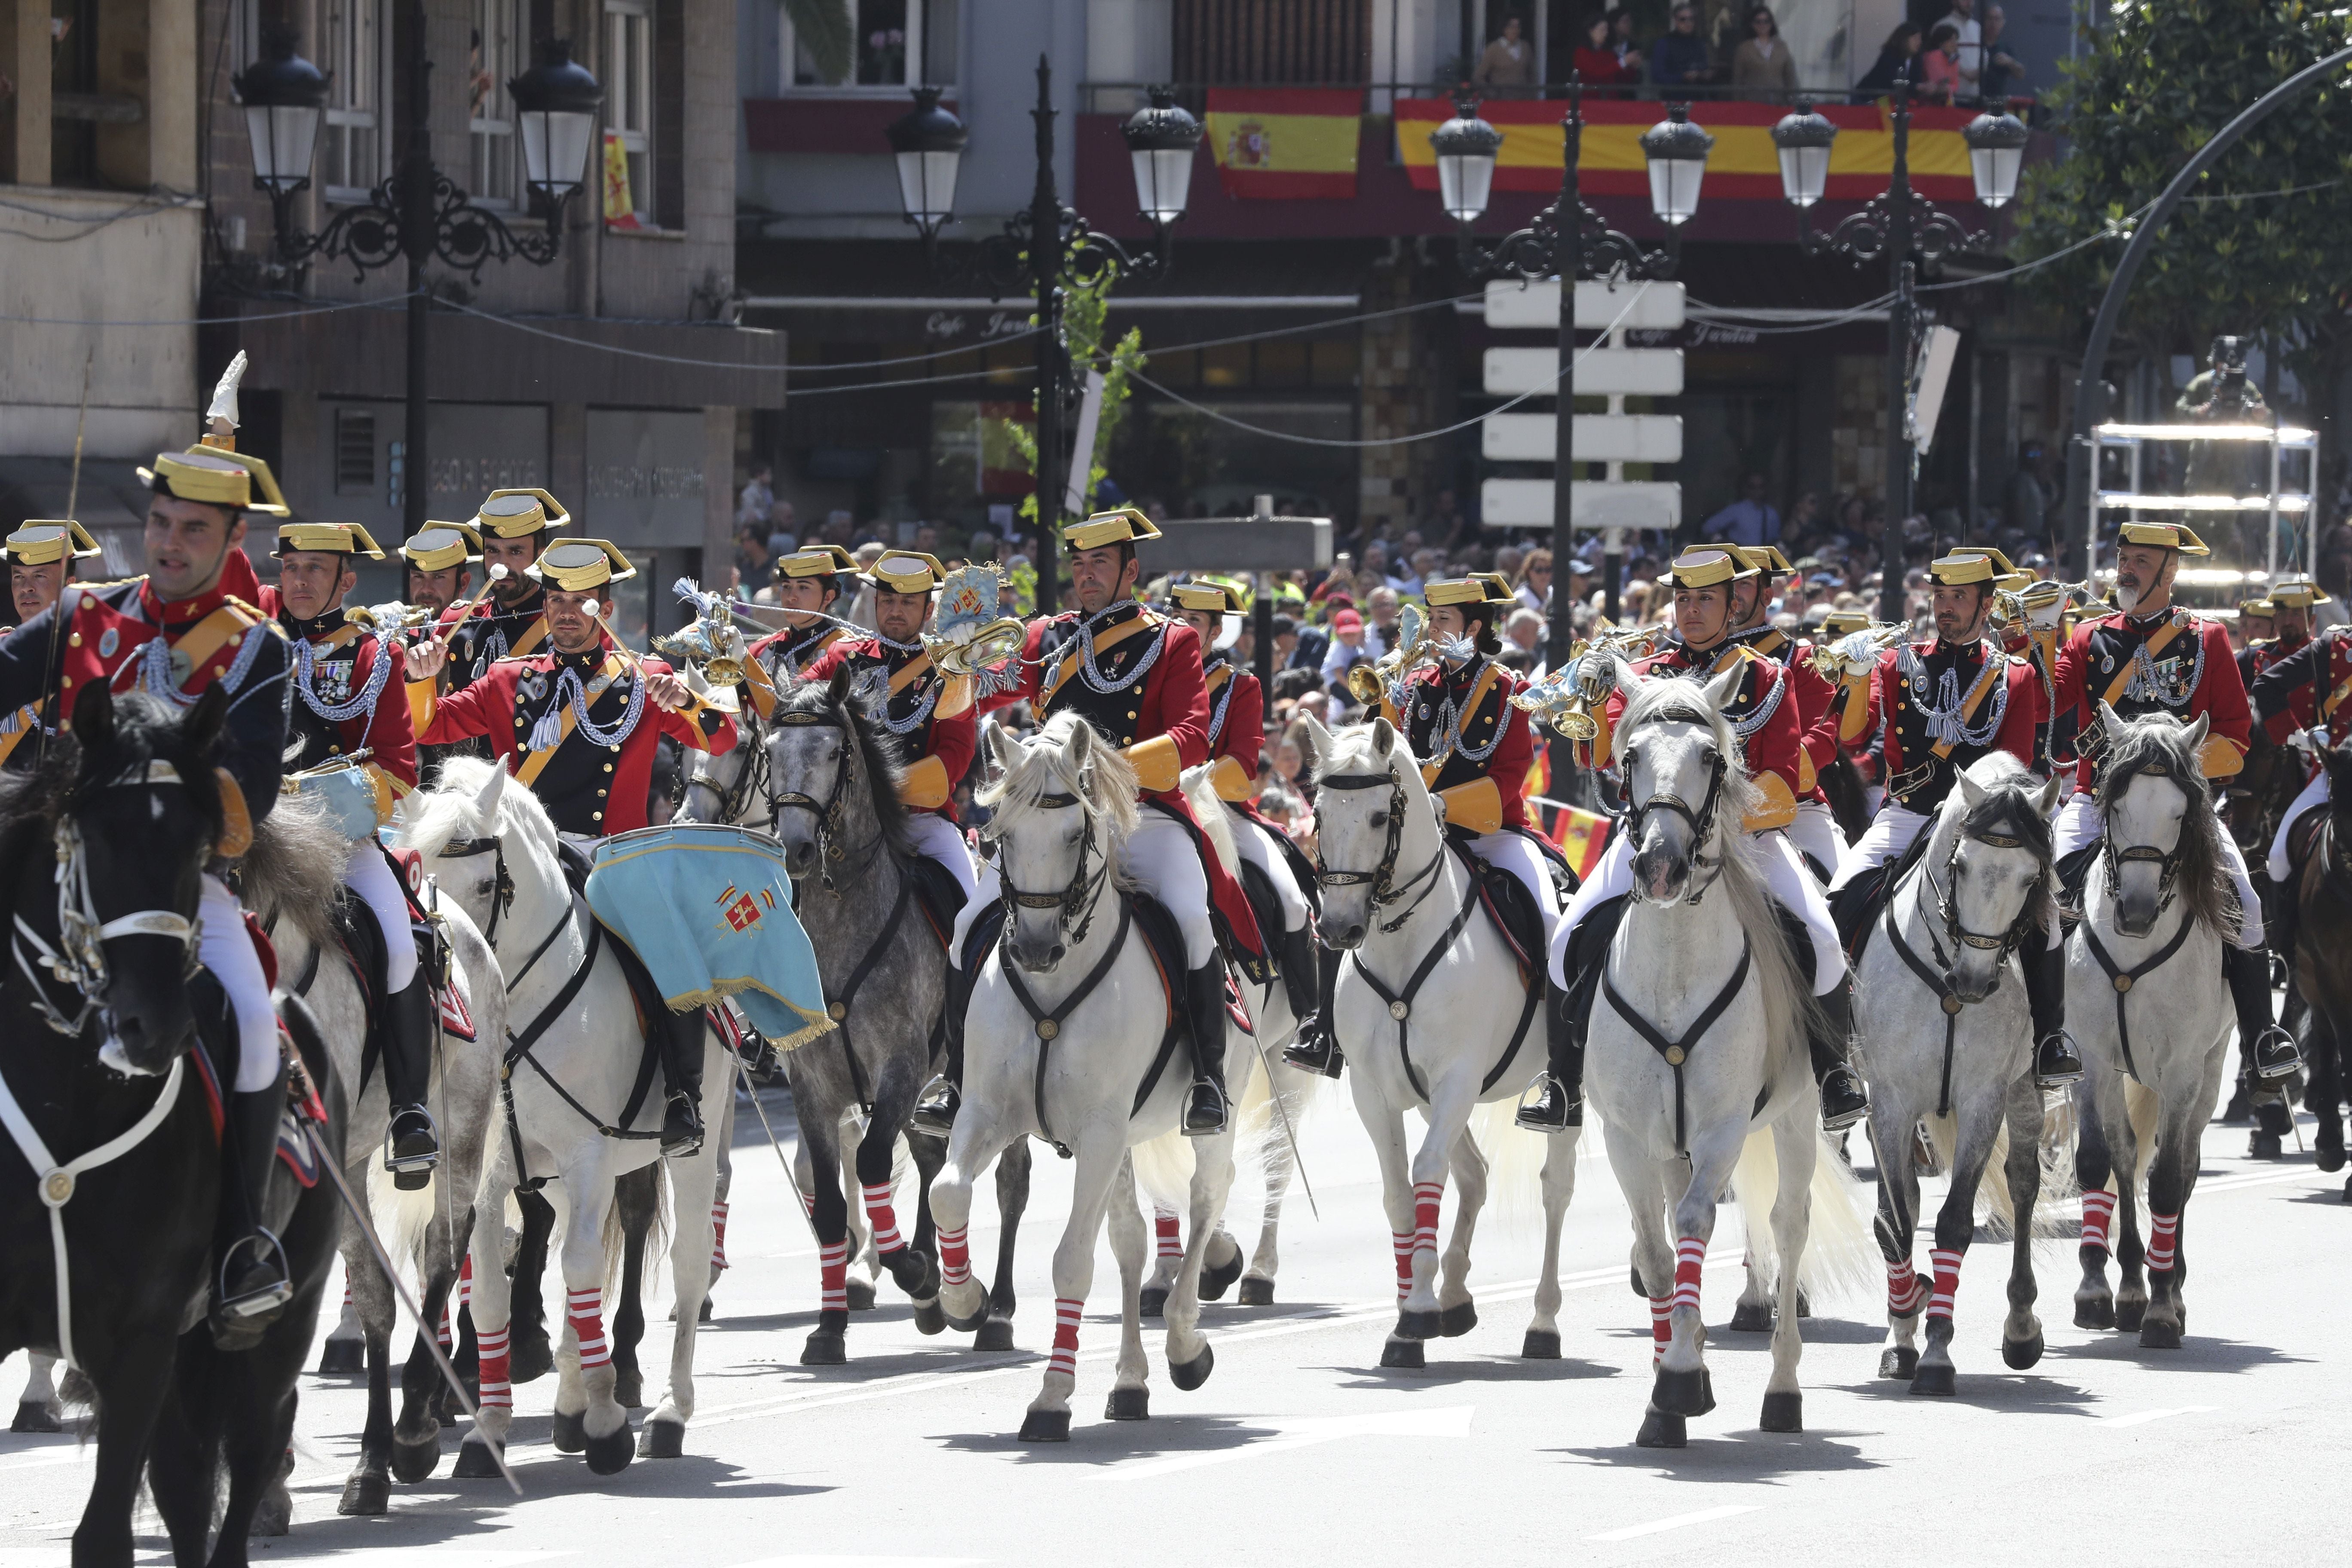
1041	246
1906	228
418	213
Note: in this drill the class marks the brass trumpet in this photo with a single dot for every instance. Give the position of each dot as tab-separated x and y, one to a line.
1849	660
1367	683
1563	699
966	634
2010	608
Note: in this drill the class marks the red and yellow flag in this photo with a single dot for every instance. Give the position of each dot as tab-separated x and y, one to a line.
1581	837
1286	143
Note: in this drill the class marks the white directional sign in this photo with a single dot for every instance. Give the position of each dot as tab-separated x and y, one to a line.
1600	437
1620	503
1640	372
1600	307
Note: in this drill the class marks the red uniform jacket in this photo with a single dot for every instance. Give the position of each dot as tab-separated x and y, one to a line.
344	660
1771	738
1494	741
1236	715
1816	696
912	688
2301	704
2313	685
587	788
2195	670
2012	703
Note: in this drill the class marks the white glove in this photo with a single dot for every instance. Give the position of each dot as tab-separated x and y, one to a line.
2047	617
1596	674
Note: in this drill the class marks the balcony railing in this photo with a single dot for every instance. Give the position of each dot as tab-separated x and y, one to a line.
1126	96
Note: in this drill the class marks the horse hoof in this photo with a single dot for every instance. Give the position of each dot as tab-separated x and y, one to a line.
1129	1405
661	1440
1188	1376
609	1455
1541	1344
2347	1190
569	1433
532	1359
1683	1392
272	1516
928	1319
2019	1354
996	1334
1661	1430
1418	1325
1935	1378
1752	1317
1784	1411
861	1295
966	1325
1636	1274
475	1462
1215	1282
1045	1427
2128	1315
1153	1302
1256	1293
1898	1360
906	1268
416	1462
33	1416
342	1358
1458	1320
1804	1305
2263	1146
2095	1312
366	1495
702	1313
2329	1160
2156	1334
1403	1353
629	1388
824	1350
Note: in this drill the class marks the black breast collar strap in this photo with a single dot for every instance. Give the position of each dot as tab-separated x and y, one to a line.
1676	1052
1049	1025
2123	980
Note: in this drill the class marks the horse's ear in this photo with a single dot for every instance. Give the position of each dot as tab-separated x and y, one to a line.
2049	801
1383	738
93	721
1724	688
1082	745
2197	731
205	722
1004	747
1318	742
838	690
2109	720
493	790
1971	791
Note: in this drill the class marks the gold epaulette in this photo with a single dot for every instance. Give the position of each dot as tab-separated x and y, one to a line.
250	613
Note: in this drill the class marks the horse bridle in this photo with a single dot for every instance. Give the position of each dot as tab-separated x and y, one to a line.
2003	945
828	812
1700	817
2168	862
753	774
1386	890
1077	898
502	888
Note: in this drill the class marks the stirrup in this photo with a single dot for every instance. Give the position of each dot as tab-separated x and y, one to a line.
1538	1115
686	1143
2061	1075
267	1300
1853	1111
413	1170
2268	1063
1192	1098
935	1108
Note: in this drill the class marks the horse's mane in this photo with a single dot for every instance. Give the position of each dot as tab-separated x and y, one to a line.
2158	743
434	817
877	749
57	784
2012	810
1106	787
294	868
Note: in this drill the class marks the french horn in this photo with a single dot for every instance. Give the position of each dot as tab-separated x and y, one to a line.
1563	699
1848	661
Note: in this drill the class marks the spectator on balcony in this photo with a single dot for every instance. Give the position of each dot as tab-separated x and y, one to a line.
1622	44
1898	62
1940	73
1762	66
1679	58
1970	57
2003	72
1597	63
1510	62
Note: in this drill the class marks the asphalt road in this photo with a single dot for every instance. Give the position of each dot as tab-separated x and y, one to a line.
1300	1450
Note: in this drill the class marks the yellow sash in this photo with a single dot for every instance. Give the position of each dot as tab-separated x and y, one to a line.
917	668
536	764
2156	644
209	636
28	722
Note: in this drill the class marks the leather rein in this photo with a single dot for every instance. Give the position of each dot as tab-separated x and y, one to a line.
1939	979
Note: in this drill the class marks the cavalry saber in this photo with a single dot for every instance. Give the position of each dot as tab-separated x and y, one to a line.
750	1092
425	1330
1296	1163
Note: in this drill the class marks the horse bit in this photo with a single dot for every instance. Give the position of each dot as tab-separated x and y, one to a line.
828	812
1077	900
1384	891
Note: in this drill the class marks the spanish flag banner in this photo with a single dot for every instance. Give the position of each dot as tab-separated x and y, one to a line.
1744	164
1581	837
1286	143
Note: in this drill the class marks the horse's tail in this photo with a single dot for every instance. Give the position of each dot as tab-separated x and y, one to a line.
2141	1105
1163	1165
1993	1202
651	1188
1842	1259
1515	1159
1202	796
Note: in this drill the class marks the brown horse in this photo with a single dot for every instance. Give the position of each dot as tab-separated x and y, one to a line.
2323	961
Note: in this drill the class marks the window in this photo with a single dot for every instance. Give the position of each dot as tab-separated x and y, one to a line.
500	40
351	143
354	451
892	44
629	106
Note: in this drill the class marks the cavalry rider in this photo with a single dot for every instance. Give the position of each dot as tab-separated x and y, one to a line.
1236	741
808	582
1814	830
438	562
2153	657
1766	722
570	720
41	557
1857	741
2305	688
892	664
513	527
1136	678
2257	628
1938	706
190	623
341	672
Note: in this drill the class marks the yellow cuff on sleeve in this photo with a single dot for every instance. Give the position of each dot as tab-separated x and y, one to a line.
1158	766
1777	809
1476	805
421	696
2220	757
924	785
1230	780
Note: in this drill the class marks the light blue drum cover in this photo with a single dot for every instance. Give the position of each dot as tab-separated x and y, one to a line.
349	796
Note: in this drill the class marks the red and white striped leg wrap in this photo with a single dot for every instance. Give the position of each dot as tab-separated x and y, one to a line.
1947	1264
496	1390
1903	1288
882	1217
1172	1239
347	1292
1690	1257
586	1310
2098	1218
1401	1240
2163	1240
833	1276
955	1254
1662	1328
1065	1359
718	1235
464	1280
1425	1215
441	1333
808	1204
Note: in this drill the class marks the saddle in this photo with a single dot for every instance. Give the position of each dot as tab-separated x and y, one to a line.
939	894
1258	888
1856	906
1511	907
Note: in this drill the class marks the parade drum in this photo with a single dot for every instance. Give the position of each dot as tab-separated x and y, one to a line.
709	909
347	796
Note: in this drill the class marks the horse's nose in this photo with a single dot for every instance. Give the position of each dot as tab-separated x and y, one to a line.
800	859
1348	936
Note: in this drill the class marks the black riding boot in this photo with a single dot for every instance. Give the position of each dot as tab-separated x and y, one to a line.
1317	1049
1205	1007
253	1286
681	1065
2272	1053
935	1108
2055	1062
1559	1104
412	1145
1844	1102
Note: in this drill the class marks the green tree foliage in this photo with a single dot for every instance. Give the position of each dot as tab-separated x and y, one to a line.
1086	312
2155	82
823	29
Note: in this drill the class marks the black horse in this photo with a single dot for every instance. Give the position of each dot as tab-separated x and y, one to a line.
2323	963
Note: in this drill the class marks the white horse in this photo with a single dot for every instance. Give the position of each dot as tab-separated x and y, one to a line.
1433	1014
1698	1038
1063	1039
2143	999
1945	1038
495	851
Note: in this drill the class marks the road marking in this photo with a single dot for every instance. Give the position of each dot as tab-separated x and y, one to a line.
1305	1432
1658	1526
2142	1417
845	1560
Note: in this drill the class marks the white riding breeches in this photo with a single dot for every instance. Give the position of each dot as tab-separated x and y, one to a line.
226	947
2081	821
2315	794
1255	845
936	838
1160	859
1773	858
1815	832
1512	852
367	873
1890	833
